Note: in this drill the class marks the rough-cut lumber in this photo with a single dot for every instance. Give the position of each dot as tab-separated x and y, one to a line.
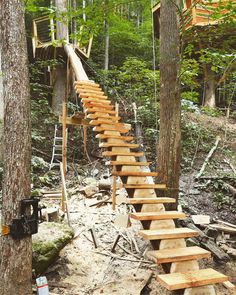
201	219
99	110
90	99
175	233
134	173
223	228
111	154
190	279
157	215
106	136
110	144
208	157
86	95
134	201
104	121
179	254
111	128
229	285
105	116
86	83
145	186
126	163
86	90
97	105
76	64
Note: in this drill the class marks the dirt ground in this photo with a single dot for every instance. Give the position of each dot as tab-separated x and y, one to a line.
83	269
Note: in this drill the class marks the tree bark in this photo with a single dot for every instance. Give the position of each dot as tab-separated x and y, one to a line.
1	111
16	255
106	40
169	146
210	97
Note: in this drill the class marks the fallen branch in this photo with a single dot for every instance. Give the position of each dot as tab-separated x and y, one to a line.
230	188
208	158
230	165
226	223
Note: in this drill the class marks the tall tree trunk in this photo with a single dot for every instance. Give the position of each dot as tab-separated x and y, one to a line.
1	111
59	83
168	156
106	31
16	255
210	88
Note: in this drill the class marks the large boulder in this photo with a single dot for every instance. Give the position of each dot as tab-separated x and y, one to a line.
47	244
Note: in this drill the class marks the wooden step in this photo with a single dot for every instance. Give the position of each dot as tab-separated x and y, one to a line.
145	186
163	234
134	201
125	163
191	279
109	144
104	121
106	136
99	110
133	173
179	254
162	215
86	83
103	116
86	90
91	104
86	95
111	128
90	99
111	154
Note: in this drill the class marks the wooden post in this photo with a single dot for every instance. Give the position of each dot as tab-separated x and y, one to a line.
64	137
64	199
114	192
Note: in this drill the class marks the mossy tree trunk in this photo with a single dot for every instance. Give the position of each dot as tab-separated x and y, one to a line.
168	156
16	255
1	111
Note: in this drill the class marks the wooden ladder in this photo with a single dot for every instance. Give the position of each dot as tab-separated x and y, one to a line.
184	270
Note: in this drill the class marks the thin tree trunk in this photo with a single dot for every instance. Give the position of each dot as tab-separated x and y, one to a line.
168	156
210	89
106	31
16	255
59	83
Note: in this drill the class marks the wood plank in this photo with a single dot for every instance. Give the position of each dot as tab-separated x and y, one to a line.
86	83
86	90
74	121
104	121
134	173
125	163
157	200
111	128
106	136
145	186
111	154
191	279
105	116
97	105
162	215
91	99
87	95
163	234
179	254
109	144
53	195
99	110
229	285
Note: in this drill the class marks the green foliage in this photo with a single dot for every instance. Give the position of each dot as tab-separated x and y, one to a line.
211	112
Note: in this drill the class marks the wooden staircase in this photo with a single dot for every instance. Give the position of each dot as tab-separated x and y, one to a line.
184	270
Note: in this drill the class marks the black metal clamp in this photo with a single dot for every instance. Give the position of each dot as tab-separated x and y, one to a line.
27	224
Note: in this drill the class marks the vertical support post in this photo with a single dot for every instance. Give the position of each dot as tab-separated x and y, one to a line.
114	192
117	109
194	15
64	137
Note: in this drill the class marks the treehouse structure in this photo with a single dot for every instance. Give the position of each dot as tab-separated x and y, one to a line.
168	241
195	13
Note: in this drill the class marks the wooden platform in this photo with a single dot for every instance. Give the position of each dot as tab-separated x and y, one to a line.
135	201
179	254
190	279
163	234
157	215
